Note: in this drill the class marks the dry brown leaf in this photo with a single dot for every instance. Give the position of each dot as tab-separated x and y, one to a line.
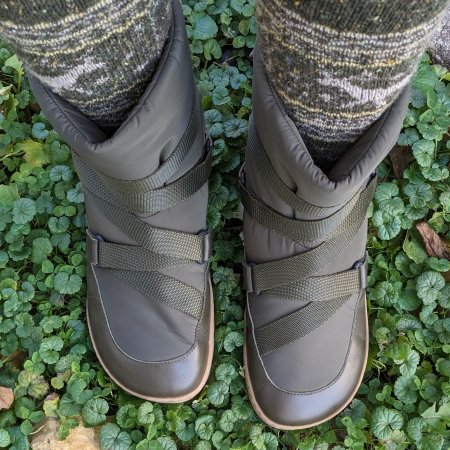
434	244
17	358
80	438
400	157
6	397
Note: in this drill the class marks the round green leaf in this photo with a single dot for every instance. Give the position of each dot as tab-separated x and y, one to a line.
145	414
385	421
94	411
204	426
68	284
203	27
49	349
5	438
428	286
24	210
111	438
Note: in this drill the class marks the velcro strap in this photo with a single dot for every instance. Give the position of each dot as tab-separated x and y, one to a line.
135	257
323	288
127	257
325	294
158	240
122	201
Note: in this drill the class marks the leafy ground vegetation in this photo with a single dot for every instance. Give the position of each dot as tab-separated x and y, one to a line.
47	366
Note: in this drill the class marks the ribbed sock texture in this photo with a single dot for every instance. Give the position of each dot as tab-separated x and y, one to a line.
99	55
338	65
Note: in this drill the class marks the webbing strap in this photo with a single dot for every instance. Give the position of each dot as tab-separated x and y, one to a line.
296	325
301	231
169	167
153	201
324	288
277	273
294	278
159	248
128	257
165	289
158	240
258	156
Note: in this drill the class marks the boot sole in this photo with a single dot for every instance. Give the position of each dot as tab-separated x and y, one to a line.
180	399
280	426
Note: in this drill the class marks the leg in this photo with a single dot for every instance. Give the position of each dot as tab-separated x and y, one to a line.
328	75
99	55
338	65
149	300
439	48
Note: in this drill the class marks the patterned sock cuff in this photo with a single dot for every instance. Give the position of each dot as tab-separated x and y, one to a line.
99	55
338	65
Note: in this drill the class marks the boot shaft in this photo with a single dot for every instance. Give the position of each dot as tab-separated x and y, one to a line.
290	157
154	127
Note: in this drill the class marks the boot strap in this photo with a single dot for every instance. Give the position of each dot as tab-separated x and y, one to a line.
304	232
169	167
274	274
257	155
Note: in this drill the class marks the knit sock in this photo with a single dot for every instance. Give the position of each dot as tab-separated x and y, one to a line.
337	65
99	55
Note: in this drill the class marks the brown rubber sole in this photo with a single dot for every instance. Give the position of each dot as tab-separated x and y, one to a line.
281	426
180	399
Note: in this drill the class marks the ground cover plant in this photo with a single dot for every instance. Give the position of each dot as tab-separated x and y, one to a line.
47	365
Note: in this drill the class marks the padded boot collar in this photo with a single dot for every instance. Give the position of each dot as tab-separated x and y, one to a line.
167	100
291	159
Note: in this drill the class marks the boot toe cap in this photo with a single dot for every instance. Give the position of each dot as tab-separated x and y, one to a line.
149	349
310	380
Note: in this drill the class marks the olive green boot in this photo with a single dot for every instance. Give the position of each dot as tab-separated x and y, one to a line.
305	236
149	305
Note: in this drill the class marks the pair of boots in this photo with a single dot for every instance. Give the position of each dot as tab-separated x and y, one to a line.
150	304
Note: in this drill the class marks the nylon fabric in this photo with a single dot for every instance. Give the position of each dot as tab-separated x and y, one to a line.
294	326
153	201
274	274
165	289
258	156
157	248
300	231
169	167
158	240
321	289
135	258
294	278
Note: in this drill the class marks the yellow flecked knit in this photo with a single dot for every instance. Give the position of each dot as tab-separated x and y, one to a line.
337	65
99	55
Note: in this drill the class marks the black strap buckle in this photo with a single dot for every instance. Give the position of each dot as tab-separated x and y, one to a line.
207	147
242	178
